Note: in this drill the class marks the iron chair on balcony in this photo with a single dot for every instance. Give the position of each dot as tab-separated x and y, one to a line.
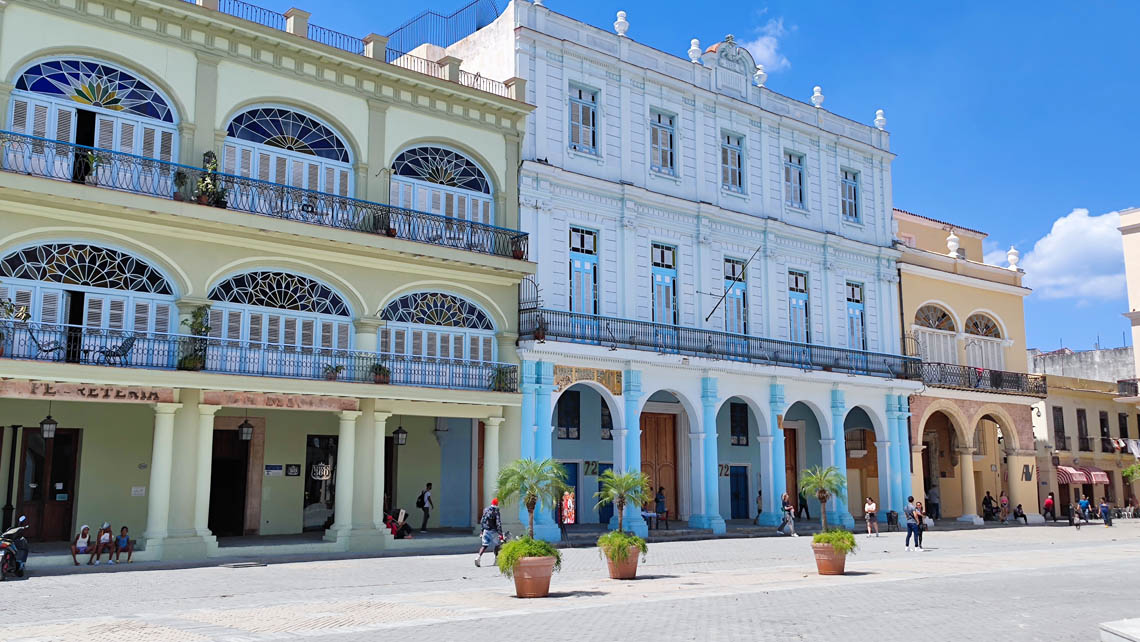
52	349
119	354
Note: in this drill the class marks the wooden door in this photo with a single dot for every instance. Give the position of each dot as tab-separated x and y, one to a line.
228	474
47	483
791	467
659	455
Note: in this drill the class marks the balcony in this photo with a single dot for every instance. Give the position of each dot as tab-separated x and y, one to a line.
161	351
543	324
1128	387
1085	443
106	169
1061	442
949	375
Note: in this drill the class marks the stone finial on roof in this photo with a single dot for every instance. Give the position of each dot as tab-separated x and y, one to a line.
538	3
760	76
880	119
952	244
621	25
817	96
695	51
1013	256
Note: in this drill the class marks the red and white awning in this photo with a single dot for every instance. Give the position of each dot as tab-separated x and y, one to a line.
1069	475
1096	475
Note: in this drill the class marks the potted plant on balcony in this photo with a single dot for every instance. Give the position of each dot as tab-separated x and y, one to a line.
502	379
621	549
518	247
530	562
333	371
385	223
830	546
92	162
540	328
179	185
381	373
193	348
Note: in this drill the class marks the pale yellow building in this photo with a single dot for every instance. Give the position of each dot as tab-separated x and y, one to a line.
970	429
240	347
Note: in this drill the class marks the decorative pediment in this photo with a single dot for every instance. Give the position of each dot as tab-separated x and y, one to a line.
732	66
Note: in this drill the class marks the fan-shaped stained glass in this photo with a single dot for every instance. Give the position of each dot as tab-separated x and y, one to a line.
82	264
982	326
437	308
932	316
96	84
443	167
288	130
282	291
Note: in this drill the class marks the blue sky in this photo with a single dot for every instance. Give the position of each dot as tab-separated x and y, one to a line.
1006	117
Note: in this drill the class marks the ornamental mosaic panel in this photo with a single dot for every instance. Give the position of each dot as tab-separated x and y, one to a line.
82	264
282	291
98	85
441	166
288	130
437	308
982	326
932	316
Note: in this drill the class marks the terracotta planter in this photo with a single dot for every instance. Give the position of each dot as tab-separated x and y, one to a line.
828	561
518	253
626	569
532	576
203	199
381	378
391	232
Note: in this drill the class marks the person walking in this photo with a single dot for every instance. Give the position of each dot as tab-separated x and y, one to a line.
988	507
492	536
424	503
1084	505
934	498
1105	513
789	516
1050	507
803	507
1003	501
869	510
911	522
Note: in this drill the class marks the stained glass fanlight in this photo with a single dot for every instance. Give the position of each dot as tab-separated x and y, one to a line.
932	316
288	130
437	308
443	167
96	84
982	326
282	291
83	264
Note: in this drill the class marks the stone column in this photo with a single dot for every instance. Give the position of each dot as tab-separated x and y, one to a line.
205	463
905	475
161	464
709	515
886	497
380	431
491	457
366	329
969	496
898	496
631	391
345	471
839	512
772	459
544	526
377	183
205	117
529	387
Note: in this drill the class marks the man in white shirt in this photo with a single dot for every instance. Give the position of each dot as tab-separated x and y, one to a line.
424	503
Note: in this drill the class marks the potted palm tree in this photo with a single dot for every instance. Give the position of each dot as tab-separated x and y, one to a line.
621	549
529	561
830	546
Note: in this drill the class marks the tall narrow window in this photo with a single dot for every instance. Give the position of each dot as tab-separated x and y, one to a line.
1059	429
736	301
583	270
732	162
738	423
664	259
607	422
799	319
661	137
1083	441
856	325
1105	439
1122	422
583	120
849	195
794	180
570	415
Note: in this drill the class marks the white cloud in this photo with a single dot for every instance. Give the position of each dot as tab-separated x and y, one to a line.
1081	258
765	48
994	253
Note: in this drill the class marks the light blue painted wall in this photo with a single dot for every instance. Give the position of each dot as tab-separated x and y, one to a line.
589	447
453	493
728	454
811	454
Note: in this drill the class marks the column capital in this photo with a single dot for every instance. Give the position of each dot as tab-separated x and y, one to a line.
381	416
493	422
965	450
544	373
206	410
348	415
368	324
631	384
166	408
709	392
188	304
838	399
776	394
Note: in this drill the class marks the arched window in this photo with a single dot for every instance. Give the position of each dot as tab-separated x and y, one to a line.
88	285
286	311
441	181
982	326
437	325
94	104
935	331
287	147
984	347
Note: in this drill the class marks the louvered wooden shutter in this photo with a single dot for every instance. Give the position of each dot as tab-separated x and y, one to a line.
344	339
327	335
147	148
104	132
19	122
51	303
162	317
93	313
166	146
22	298
39	121
290	331
233	324
255	321
126	138
273	326
216	323
307	334
141	322
116	313
65	124
385	340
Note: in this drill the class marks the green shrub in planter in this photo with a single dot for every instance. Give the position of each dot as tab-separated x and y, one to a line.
516	549
616	544
842	541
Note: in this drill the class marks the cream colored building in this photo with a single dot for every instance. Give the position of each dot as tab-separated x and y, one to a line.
353	253
971	430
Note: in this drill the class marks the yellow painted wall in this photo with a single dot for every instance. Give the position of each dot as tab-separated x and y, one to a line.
932	236
417	463
282	498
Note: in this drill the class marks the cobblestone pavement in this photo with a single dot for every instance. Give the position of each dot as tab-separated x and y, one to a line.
1013	583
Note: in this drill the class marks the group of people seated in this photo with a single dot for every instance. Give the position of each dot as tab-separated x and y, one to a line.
103	542
398	524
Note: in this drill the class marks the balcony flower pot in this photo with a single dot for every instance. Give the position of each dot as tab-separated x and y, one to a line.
530	563
831	549
518	250
391	232
381	374
203	199
332	372
621	551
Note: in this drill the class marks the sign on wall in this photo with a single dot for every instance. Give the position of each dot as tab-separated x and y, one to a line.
84	392
292	470
274	470
566	376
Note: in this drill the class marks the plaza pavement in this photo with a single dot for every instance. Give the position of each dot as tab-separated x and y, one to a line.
1000	583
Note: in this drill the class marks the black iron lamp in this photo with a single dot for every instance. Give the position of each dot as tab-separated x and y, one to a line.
245	429
400	436
48	425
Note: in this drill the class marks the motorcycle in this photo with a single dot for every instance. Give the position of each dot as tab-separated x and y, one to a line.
13	550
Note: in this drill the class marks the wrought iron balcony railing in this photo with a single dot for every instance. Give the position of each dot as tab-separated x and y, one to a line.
543	324
1085	443
1128	388
76	344
949	375
129	173
1061	442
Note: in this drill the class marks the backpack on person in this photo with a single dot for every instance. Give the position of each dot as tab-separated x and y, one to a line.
420	500
490	521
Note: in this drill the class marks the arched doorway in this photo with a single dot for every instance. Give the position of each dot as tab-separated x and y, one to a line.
941	467
666	453
863	479
991	473
802	450
583	442
738	455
